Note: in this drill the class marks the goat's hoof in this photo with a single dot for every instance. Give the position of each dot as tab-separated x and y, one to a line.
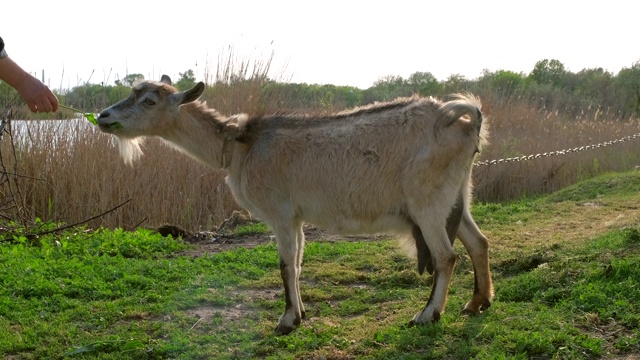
410	324
470	312
485	304
284	330
425	317
413	323
287	323
435	317
476	306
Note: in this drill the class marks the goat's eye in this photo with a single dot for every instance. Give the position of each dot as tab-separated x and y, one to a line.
149	102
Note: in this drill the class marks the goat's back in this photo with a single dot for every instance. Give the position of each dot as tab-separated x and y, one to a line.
355	171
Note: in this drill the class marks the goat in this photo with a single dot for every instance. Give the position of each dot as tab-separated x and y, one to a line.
401	167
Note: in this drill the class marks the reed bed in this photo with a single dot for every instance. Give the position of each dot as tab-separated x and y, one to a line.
67	171
73	172
518	128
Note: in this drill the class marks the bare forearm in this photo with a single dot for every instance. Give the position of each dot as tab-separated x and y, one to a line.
37	95
12	73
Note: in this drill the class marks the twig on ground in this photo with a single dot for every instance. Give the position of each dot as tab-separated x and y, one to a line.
62	228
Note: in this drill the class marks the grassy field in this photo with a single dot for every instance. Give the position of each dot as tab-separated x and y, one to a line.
566	269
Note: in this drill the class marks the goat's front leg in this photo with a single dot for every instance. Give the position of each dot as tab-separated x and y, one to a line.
290	257
300	240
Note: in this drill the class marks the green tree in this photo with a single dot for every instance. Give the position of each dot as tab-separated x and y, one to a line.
387	88
628	81
88	97
424	83
187	80
550	72
501	83
129	80
507	82
593	86
456	83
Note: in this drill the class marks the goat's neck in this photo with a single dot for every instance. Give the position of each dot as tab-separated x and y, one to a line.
198	134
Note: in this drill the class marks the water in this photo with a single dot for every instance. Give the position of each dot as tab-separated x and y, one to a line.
33	133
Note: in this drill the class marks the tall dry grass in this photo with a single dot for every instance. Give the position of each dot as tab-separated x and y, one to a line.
71	172
519	128
68	171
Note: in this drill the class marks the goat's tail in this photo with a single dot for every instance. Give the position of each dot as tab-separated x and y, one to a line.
465	104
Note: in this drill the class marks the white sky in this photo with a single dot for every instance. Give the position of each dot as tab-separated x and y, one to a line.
324	42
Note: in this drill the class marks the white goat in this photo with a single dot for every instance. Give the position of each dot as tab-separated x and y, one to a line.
401	167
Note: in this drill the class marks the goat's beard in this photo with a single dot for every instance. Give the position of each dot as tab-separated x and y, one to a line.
130	149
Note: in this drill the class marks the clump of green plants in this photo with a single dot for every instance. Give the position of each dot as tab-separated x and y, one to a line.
251	229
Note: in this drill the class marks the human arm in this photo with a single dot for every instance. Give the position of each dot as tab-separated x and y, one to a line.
36	95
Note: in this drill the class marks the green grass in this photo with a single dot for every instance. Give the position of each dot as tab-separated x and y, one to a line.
129	295
251	229
612	185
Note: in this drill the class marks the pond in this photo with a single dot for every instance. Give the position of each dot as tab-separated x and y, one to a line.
30	133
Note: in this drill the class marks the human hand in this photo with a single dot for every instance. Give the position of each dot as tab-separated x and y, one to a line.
37	95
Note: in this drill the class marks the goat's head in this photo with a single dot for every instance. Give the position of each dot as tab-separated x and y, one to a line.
151	109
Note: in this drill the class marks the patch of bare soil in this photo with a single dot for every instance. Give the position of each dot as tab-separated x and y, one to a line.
204	314
223	239
213	242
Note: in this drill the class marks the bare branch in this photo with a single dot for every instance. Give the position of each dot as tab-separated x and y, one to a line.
62	228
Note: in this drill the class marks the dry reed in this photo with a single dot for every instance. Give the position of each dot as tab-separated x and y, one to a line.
517	129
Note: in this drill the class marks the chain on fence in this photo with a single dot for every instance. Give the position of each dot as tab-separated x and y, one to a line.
557	153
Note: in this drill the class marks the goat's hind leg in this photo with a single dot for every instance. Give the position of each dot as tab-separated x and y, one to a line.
477	246
290	258
444	258
453	223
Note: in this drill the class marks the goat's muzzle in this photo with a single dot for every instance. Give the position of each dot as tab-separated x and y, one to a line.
105	124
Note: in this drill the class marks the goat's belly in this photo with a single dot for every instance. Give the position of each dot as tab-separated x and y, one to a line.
346	226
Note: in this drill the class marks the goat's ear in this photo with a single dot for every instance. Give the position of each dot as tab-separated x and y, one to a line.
165	79
193	94
188	96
